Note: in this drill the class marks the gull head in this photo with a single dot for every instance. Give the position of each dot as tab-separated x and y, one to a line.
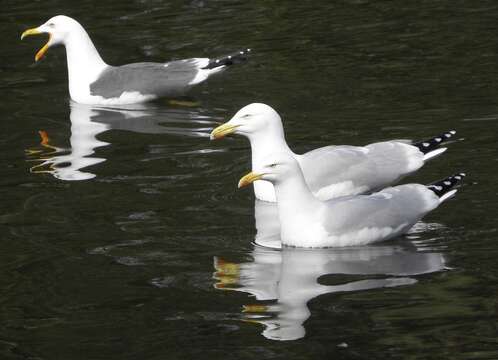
58	29
250	120
277	168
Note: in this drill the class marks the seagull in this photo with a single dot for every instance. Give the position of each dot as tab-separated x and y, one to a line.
307	221
92	81
330	171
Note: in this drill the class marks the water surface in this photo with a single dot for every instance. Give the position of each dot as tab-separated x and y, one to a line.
123	234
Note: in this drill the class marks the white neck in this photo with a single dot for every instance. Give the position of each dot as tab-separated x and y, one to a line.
265	143
298	211
295	198
84	63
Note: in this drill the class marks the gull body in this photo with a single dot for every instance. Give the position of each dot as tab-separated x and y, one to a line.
92	81
307	221
330	171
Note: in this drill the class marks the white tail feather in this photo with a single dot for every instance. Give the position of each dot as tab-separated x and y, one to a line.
447	196
434	153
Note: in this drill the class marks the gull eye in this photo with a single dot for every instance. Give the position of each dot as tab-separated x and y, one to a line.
51	24
273	165
246	115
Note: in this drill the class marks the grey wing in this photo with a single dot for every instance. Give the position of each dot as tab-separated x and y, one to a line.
170	79
355	170
394	160
346	168
390	209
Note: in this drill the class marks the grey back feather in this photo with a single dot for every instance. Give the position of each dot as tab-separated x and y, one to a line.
146	78
373	166
392	207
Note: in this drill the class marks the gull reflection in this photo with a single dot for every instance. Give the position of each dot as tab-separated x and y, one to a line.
285	280
87	122
65	163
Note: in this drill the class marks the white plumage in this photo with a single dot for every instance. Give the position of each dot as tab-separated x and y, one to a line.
346	221
92	81
330	171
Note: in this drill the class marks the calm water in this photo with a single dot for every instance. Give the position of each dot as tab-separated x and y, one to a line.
123	235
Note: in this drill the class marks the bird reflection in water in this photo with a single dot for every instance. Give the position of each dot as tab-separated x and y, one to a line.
285	280
87	122
289	279
65	163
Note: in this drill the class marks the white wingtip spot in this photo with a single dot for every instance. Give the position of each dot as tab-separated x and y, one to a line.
448	183
425	144
458	177
438	139
452	132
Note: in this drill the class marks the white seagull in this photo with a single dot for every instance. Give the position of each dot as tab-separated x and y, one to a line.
306	221
330	171
92	81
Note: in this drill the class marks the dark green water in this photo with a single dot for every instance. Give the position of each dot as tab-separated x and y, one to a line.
131	263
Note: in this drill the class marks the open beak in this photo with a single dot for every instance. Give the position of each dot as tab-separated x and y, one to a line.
44	49
222	131
249	179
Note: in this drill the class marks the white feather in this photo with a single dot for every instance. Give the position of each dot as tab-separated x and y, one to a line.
346	221
330	171
203	74
448	195
434	153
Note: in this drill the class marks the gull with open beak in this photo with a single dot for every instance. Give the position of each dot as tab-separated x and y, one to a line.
92	81
306	221
38	31
330	171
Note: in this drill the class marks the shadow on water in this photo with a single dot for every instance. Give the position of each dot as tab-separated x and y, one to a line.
284	281
88	122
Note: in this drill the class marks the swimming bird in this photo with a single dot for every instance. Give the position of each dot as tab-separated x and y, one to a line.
92	81
306	221
330	171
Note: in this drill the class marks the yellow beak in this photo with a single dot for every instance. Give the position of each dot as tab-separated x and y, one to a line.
249	179
29	32
223	130
44	49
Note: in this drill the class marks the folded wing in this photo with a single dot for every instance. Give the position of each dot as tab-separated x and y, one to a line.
334	171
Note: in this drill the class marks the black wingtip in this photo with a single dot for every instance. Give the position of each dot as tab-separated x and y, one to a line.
231	59
431	144
441	187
